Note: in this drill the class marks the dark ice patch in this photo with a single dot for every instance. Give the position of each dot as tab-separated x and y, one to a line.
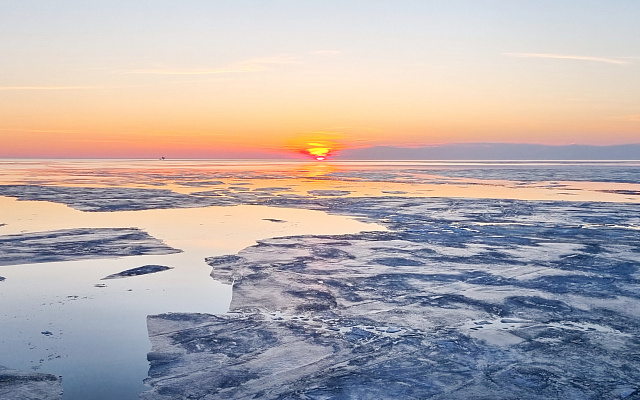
107	199
356	334
272	189
274	220
537	308
16	384
397	261
621	191
626	174
328	192
591	286
144	270
211	193
200	183
220	260
330	252
78	244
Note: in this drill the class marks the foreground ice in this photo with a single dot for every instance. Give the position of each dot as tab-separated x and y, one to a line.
104	199
78	244
460	299
144	270
19	385
61	318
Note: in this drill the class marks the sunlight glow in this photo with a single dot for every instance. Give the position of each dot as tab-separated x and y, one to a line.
318	151
293	95
318	146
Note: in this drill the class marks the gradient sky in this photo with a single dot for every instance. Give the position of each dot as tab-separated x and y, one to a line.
238	78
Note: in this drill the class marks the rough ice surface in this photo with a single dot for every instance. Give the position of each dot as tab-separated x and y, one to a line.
78	244
144	270
28	385
272	189
622	174
105	199
328	192
462	298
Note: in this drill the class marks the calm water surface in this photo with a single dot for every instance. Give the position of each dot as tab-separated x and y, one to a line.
96	336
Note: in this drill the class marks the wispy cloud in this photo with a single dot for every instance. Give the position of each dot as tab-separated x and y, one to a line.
39	130
628	118
618	61
250	65
353	129
4	88
110	136
175	71
327	52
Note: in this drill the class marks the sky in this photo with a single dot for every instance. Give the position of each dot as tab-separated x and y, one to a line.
272	78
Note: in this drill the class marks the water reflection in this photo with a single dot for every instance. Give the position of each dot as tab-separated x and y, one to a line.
363	178
98	338
96	335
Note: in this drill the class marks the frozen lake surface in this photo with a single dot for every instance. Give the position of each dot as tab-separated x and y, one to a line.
346	280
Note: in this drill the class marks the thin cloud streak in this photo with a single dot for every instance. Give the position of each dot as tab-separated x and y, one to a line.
120	133
190	72
251	65
7	88
327	52
616	61
39	130
627	118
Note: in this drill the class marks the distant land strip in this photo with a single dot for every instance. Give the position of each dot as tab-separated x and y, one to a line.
494	151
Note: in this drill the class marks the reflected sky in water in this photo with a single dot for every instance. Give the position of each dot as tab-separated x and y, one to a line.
95	331
470	179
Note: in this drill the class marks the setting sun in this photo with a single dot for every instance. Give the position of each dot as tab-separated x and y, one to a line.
319	152
317	145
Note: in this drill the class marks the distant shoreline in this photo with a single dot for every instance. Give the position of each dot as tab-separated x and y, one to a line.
445	152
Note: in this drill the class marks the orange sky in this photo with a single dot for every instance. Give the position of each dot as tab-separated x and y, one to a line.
113	79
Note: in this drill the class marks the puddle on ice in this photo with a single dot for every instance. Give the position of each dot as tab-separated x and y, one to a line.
62	318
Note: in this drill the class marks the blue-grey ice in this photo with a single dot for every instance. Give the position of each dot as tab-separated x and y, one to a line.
462	298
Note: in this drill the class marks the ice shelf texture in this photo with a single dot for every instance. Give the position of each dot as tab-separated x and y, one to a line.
78	244
16	385
462	298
